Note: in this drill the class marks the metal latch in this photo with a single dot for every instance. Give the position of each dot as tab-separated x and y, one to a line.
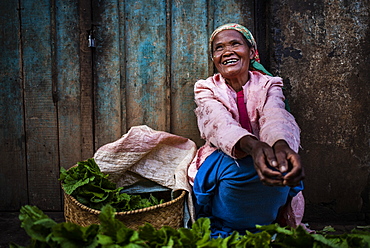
91	40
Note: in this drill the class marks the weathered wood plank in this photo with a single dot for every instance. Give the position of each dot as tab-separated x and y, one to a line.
86	81
13	174
238	11
260	31
122	55
142	72
189	62
68	82
146	59
40	111
107	72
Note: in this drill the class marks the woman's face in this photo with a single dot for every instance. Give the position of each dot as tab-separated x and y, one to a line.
231	54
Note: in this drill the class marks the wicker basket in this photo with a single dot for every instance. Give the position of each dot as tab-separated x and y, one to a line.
170	213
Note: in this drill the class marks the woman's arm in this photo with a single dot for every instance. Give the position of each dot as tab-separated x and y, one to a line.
216	117
275	122
275	162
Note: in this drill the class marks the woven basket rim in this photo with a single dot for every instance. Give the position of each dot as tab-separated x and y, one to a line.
142	210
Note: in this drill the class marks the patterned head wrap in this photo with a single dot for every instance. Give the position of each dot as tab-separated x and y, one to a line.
255	62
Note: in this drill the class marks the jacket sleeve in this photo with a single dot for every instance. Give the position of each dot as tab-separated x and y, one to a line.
275	121
217	118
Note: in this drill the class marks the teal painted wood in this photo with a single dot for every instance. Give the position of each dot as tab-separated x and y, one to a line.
146	61
41	128
108	115
142	71
234	11
67	82
13	174
189	63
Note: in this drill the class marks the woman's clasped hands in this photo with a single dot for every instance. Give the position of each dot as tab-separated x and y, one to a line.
278	165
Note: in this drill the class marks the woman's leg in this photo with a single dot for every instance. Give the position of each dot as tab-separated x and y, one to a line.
230	193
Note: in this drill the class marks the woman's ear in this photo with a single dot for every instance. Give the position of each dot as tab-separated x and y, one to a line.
252	52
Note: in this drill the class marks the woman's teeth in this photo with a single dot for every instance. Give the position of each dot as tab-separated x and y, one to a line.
230	61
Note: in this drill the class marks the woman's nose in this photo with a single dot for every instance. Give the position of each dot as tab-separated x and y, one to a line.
228	50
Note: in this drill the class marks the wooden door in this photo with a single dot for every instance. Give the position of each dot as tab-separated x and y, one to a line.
61	99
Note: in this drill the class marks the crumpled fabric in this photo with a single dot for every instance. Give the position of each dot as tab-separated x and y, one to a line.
142	152
293	212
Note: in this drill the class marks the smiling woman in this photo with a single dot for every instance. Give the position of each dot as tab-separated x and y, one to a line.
249	171
231	56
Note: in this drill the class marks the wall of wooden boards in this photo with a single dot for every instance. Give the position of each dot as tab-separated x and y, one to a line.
60	99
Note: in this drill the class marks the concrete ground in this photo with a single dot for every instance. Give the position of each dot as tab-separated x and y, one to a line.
11	231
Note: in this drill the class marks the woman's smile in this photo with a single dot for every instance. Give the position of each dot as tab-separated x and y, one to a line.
231	56
230	61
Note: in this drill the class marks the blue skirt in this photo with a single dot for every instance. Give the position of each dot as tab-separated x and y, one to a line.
230	193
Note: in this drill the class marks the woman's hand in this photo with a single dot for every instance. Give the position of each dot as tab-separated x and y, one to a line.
289	162
272	162
264	160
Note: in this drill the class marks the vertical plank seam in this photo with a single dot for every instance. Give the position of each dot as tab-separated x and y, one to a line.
125	62
168	102
122	59
22	78
124	51
54	78
93	81
211	27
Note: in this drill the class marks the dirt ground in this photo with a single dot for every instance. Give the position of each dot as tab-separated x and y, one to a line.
11	231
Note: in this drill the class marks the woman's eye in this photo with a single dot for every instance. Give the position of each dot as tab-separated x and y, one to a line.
218	48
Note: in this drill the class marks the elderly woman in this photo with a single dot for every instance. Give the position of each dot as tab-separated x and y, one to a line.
248	172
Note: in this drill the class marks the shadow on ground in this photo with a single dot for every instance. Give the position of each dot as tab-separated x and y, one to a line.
11	231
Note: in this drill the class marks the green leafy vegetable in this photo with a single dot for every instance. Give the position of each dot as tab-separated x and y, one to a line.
91	187
112	233
70	235
37	225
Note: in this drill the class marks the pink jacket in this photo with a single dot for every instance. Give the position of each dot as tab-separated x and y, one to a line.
218	119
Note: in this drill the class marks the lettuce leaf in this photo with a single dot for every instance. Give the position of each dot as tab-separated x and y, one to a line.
36	224
70	235
112	233
92	188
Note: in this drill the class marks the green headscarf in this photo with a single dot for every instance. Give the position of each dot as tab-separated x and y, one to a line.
254	63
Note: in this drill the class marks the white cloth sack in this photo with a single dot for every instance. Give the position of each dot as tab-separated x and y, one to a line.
142	152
